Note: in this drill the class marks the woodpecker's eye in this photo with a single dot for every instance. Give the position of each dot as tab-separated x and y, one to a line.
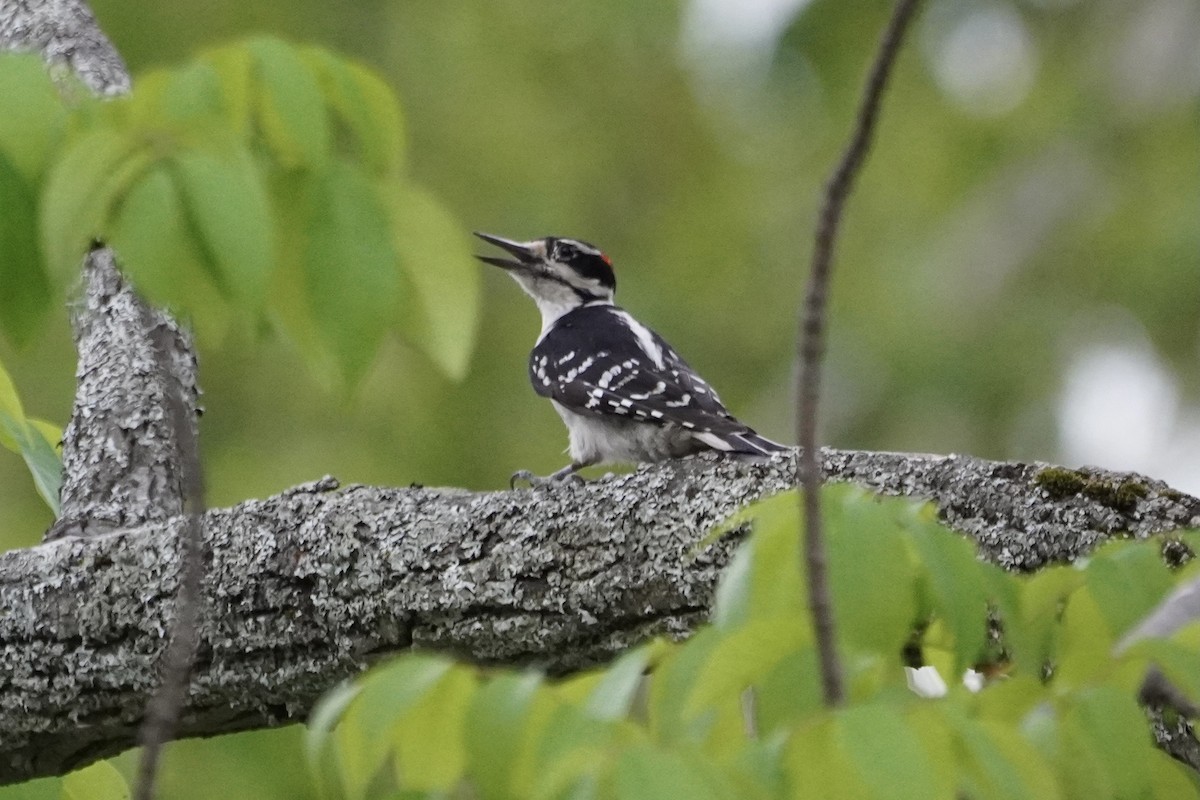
585	260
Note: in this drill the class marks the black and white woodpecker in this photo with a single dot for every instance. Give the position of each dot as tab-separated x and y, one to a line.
623	392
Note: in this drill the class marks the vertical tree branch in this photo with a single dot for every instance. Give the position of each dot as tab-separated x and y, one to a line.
130	452
121	460
811	346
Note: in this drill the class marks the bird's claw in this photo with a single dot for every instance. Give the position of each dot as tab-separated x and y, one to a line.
524	475
537	481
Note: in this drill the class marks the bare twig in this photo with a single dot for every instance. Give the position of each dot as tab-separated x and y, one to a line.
162	712
811	346
1158	692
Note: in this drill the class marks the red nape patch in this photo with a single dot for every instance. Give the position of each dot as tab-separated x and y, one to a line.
604	257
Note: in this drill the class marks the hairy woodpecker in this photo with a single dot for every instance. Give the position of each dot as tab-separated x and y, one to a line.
623	392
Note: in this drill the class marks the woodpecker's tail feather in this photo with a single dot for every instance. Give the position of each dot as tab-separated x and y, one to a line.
755	444
745	442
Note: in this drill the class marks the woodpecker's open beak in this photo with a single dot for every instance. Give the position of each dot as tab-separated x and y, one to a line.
526	256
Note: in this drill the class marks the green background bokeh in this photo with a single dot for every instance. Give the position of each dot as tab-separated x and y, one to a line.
1024	202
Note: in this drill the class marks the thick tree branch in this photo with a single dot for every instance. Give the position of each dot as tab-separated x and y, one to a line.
310	586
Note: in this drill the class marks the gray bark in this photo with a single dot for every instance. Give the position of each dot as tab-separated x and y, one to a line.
135	402
66	34
308	587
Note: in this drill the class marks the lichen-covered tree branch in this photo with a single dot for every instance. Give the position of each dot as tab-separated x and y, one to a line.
308	587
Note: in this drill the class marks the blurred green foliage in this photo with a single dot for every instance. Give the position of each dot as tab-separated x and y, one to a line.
979	248
34	440
736	711
261	181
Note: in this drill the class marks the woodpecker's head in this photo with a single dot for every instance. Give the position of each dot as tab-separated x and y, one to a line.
559	274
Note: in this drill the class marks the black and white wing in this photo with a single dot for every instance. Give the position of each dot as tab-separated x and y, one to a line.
599	360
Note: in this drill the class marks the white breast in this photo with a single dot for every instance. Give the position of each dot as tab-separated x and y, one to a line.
605	439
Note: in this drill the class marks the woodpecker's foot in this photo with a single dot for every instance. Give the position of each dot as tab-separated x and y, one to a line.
566	473
524	475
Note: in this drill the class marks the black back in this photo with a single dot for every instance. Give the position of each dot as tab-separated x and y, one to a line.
591	362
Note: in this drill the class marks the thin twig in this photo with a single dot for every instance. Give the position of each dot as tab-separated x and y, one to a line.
812	346
162	712
1158	692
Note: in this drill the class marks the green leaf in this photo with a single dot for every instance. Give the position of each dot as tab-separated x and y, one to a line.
365	104
745	656
647	773
11	408
1190	537
957	589
228	206
291	111
34	440
360	760
1170	779
504	722
614	694
886	756
1010	700
325	715
292	206
44	789
176	109
1114	718
49	431
1127	580
45	465
430	741
350	268
1043	597
100	781
192	96
999	763
757	771
365	732
25	298
436	256
184	101
790	691
1175	612
1106	750
234	65
871	574
570	747
731	606
79	193
159	252
817	764
672	687
34	117
773	584
1087	642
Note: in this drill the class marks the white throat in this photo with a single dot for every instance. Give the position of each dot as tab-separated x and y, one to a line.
553	299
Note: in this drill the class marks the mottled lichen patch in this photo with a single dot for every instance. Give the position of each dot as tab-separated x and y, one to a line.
1121	494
